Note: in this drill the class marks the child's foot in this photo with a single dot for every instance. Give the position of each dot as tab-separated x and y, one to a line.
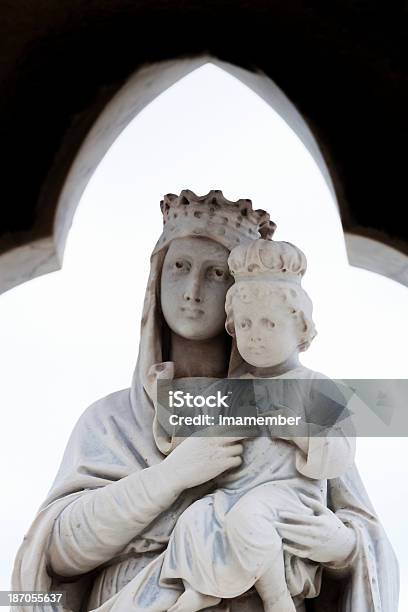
283	604
191	601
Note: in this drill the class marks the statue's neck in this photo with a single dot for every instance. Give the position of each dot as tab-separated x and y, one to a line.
276	370
199	357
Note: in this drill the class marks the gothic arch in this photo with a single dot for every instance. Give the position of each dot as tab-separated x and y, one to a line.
37	255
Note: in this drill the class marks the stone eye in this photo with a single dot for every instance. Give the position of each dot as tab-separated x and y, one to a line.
217	274
268	324
245	324
181	265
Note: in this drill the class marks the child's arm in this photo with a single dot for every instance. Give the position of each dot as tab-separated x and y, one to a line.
301	442
329	450
325	457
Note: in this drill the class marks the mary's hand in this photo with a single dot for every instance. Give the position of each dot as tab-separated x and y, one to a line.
318	535
200	459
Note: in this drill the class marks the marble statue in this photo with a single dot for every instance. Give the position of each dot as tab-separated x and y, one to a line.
105	531
229	541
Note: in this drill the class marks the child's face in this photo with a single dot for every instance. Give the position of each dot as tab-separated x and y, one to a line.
266	330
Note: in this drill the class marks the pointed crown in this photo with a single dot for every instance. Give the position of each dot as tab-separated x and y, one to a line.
212	216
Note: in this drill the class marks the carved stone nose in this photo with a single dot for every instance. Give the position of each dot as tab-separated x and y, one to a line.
188	298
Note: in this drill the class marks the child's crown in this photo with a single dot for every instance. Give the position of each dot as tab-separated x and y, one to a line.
269	260
213	216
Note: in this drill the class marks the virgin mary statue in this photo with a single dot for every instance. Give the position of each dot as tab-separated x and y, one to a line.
101	534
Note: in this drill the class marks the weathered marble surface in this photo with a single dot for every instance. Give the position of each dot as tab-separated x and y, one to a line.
235	538
103	531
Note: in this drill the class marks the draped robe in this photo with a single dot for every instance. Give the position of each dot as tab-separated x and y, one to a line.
115	439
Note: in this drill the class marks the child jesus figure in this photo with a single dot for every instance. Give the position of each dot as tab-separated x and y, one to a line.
228	541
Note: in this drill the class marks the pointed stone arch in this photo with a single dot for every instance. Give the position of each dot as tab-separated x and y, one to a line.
41	250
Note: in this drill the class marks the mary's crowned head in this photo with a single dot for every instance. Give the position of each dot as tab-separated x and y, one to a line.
189	275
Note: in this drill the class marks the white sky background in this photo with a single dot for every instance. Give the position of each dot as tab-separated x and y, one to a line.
70	337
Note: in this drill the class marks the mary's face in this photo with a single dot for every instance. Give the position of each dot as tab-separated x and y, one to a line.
195	279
